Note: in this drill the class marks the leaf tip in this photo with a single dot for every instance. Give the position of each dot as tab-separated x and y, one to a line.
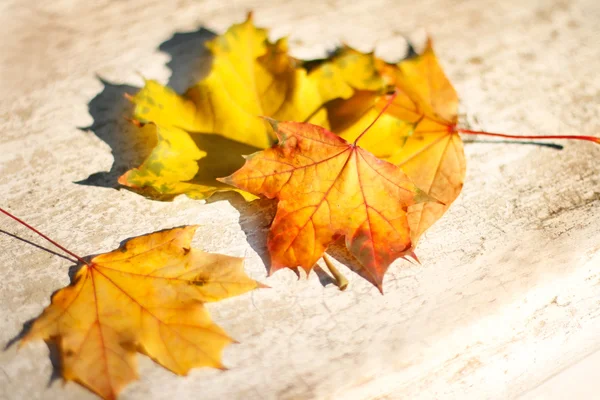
274	123
260	285
24	341
412	255
123	179
191	227
429	42
272	270
228	180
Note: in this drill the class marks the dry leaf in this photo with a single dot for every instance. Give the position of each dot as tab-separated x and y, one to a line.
146	296
329	188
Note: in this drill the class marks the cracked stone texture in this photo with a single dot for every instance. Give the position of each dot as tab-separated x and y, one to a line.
506	301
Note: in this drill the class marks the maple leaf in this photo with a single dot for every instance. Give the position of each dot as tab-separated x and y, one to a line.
146	296
433	155
418	133
202	134
329	188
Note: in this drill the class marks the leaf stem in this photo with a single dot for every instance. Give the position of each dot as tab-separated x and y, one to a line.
389	102
502	135
340	280
80	259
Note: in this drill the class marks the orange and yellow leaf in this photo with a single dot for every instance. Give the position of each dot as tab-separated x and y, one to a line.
433	155
327	188
146	296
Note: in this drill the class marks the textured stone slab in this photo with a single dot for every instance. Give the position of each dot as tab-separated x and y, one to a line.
507	295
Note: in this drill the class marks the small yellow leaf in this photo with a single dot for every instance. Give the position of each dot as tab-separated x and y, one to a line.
178	165
146	296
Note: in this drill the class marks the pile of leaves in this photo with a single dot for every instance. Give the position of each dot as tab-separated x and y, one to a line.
349	146
381	193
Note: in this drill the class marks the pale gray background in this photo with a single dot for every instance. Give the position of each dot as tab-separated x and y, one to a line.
508	293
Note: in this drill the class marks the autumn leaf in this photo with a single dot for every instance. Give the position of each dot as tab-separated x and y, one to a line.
328	188
433	155
202	134
418	133
146	296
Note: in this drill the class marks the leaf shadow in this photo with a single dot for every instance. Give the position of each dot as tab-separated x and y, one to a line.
324	278
190	60
340	253
130	145
530	143
53	351
73	269
54	355
26	328
255	219
52	345
222	157
37	246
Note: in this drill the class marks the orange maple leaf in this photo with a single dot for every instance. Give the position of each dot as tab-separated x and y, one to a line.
329	188
146	296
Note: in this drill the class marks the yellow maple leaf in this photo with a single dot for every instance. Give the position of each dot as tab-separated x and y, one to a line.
218	118
146	296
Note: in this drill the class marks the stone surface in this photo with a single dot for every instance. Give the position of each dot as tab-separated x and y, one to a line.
506	301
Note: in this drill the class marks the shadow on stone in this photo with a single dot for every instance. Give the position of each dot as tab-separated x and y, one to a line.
530	143
255	220
324	278
27	325
130	145
190	60
53	352
54	355
223	158
26	328
340	252
38	246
